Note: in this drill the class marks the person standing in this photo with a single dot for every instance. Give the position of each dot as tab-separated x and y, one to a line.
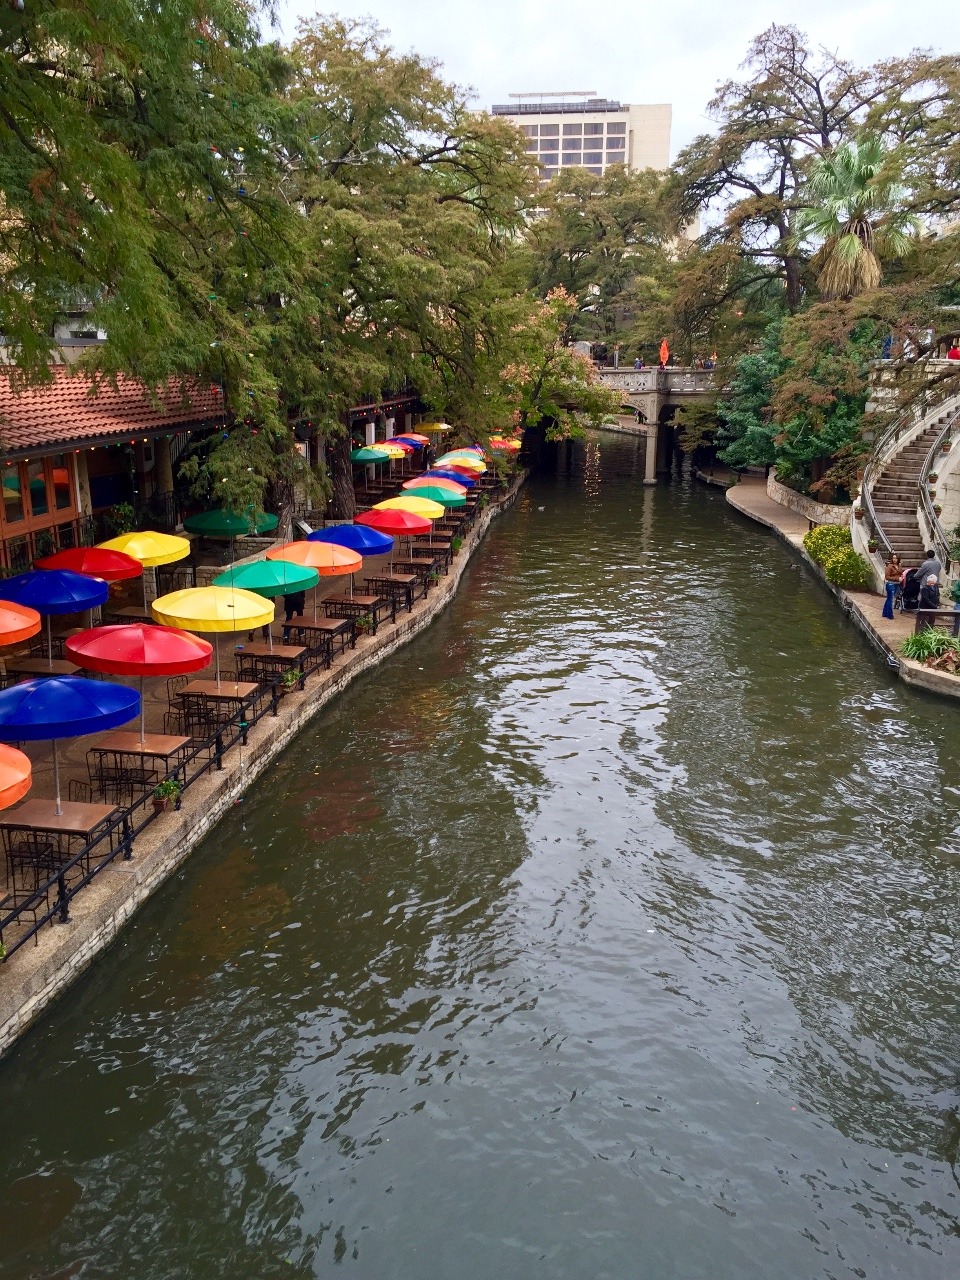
891	575
930	565
293	606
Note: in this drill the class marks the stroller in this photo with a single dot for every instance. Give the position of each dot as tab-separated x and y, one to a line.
908	596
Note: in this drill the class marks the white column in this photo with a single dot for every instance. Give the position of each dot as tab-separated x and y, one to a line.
370	431
650	461
390	425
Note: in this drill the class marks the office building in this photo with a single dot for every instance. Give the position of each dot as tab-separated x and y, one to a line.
579	130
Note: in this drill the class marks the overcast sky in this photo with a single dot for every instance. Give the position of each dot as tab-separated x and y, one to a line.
674	51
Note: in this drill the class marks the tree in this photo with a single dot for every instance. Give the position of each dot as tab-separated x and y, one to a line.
859	216
596	237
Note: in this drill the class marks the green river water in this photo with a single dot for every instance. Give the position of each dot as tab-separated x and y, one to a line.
609	930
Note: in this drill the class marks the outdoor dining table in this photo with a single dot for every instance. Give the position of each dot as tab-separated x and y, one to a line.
360	606
438	547
323	631
129	613
225	691
423	567
260	660
400	585
43	667
76	819
159	746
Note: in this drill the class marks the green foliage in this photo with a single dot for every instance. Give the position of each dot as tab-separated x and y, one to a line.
747	432
824	540
929	643
118	519
168	789
847	568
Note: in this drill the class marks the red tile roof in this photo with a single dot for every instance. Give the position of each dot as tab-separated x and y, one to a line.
64	412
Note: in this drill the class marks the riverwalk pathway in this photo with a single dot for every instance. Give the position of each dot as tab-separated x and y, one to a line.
865	608
36	975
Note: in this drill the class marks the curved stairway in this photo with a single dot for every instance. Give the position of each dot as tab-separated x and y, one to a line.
894	496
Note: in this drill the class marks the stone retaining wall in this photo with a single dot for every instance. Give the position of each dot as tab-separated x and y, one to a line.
818	512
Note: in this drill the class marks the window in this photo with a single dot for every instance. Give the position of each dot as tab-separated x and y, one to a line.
549	144
550	173
572	130
571	157
62	489
572	144
12	495
37	482
598	171
614	143
530	144
593	157
613	127
549	131
593	130
529	129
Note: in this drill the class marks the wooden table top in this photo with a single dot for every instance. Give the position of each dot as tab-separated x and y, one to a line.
225	689
402	579
288	651
43	667
75	820
135	611
356	598
162	745
301	623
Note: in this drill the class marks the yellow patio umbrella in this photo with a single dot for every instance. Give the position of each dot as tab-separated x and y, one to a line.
150	548
419	506
436	428
392	451
213	609
468	460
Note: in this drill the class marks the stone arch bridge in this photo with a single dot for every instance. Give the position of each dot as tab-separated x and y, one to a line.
658	394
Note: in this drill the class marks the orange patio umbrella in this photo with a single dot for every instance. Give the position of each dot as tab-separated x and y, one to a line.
329	560
15	775
17	622
664	352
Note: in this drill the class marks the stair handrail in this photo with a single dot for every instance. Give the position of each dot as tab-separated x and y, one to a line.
938	535
880	454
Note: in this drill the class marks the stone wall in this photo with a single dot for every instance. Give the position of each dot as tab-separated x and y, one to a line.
818	512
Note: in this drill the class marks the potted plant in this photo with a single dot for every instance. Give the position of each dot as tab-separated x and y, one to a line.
859	512
456	544
290	679
362	625
947	446
872	544
166	793
932	477
937	508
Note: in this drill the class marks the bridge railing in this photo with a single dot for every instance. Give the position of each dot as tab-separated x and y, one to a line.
676	379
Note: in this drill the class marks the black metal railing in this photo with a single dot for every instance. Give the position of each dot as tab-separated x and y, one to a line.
17	553
50	899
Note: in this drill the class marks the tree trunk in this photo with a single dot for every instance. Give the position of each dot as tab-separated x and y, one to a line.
343	504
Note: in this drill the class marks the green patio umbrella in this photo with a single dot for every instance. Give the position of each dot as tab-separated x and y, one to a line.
446	497
366	455
220	523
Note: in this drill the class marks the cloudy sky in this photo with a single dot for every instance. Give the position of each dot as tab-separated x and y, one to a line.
675	51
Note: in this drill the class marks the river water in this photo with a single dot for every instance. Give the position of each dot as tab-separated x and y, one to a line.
609	930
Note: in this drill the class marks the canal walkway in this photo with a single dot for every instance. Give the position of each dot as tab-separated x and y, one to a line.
37	974
750	497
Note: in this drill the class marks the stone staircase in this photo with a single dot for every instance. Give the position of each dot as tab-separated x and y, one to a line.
894	496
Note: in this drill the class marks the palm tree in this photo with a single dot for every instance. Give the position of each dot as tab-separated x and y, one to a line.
857	213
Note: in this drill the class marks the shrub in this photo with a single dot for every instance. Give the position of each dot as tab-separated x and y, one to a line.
928	643
847	568
824	540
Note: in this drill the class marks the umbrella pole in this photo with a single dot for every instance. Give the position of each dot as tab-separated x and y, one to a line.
49	646
143	714
216	650
56	779
143	580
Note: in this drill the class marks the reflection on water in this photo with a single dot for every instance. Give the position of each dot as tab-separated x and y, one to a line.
609	931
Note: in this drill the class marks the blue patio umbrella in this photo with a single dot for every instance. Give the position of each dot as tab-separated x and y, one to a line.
63	707
51	591
367	542
417	444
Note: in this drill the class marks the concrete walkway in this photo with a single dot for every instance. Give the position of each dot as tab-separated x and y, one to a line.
36	975
864	607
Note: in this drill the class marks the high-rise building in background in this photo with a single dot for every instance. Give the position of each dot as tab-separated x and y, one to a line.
576	129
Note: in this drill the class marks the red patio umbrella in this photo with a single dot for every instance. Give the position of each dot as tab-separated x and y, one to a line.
95	562
139	649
